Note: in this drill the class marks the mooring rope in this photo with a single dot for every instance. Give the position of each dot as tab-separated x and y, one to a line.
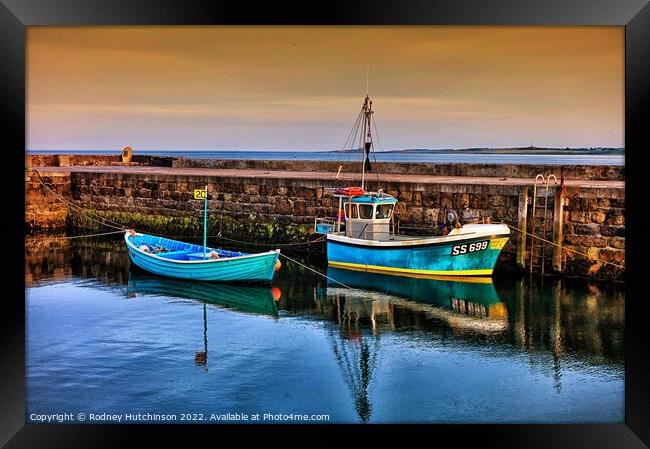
564	247
315	271
309	242
86	235
115	225
101	220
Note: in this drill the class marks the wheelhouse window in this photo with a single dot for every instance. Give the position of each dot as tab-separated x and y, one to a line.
354	213
365	211
384	211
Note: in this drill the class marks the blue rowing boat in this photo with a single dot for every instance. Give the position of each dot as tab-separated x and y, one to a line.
172	258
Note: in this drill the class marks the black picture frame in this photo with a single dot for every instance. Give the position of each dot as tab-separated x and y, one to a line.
16	15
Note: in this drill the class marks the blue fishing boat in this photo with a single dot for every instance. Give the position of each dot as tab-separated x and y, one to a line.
167	257
363	237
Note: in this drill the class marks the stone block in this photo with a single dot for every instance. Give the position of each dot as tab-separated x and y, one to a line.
299	208
598	217
144	193
406	196
616	220
586	241
252	189
283	206
431	215
497	200
587	229
612	231
500	212
616	242
616	256
579	216
479	201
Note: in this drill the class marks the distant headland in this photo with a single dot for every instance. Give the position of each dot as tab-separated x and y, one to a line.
511	150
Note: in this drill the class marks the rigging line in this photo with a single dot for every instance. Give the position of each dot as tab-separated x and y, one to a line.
374	123
350	134
356	130
564	247
315	271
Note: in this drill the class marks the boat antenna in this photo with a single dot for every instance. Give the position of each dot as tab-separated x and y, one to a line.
367	77
366	136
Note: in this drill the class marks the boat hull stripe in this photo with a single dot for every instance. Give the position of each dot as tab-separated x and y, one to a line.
377	268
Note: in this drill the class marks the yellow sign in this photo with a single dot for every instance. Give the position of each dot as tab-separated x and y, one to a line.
199	194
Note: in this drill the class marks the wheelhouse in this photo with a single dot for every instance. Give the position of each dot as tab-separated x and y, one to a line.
367	216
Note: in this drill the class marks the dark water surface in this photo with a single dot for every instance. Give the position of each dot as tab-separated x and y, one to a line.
106	339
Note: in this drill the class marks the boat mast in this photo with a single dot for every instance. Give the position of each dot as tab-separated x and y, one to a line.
367	139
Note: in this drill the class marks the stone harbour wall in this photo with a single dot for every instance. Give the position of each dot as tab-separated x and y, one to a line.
279	210
43	211
595	172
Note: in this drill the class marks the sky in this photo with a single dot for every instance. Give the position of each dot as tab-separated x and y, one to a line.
301	88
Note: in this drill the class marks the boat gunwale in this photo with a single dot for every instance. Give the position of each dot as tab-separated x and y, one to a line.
419	242
130	244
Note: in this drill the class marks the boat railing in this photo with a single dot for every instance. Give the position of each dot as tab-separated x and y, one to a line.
325	225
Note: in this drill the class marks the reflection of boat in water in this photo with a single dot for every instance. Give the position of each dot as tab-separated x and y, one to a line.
467	304
387	302
245	298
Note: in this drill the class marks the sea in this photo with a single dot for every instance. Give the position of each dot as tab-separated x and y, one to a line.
478	157
109	343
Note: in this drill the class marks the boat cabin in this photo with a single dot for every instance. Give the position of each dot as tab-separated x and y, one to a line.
367	216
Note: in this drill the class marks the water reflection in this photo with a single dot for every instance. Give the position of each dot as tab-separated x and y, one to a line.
380	303
557	316
244	298
554	324
56	258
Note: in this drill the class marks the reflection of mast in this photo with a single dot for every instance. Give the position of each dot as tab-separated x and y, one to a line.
356	353
201	358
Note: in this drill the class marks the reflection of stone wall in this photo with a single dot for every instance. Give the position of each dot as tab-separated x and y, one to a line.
575	318
55	258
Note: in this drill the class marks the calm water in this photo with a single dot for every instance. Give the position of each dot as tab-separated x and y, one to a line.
474	158
103	338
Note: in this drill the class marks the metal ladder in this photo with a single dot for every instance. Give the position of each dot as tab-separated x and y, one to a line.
539	225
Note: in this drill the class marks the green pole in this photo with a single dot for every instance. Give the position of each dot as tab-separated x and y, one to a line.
205	221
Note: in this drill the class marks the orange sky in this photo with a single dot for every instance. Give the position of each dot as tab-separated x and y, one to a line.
292	88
